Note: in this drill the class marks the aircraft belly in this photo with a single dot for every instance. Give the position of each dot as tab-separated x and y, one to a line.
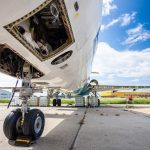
85	23
13	10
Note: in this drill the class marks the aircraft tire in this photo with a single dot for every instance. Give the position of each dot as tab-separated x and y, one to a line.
54	102
34	124
59	102
10	124
99	103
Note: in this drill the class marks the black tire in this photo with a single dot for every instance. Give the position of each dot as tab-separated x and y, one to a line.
30	123
99	103
9	126
59	102
54	102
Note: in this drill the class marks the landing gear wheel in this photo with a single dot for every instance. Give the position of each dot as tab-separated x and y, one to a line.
11	126
34	124
99	103
54	102
59	102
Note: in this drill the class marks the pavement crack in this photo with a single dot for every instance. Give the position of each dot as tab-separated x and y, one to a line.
81	122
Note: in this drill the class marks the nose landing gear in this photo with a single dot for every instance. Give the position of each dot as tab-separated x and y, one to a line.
24	125
57	102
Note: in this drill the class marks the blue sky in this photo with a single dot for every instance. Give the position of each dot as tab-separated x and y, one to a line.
128	14
123	55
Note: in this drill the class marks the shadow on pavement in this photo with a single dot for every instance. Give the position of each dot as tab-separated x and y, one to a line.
62	136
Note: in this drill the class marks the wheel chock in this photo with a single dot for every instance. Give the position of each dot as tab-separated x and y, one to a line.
24	141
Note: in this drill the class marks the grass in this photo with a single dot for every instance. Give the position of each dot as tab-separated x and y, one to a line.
4	100
113	101
146	101
103	101
64	101
123	101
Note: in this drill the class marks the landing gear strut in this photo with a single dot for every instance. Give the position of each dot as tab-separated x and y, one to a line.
24	123
57	102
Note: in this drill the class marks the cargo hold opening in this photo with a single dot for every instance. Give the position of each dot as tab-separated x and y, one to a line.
45	31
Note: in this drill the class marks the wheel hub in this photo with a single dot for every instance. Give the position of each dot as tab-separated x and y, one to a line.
38	124
18	125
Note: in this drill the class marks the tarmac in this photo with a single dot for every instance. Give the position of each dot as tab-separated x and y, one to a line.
111	127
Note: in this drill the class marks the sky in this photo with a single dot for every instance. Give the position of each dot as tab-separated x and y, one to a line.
123	54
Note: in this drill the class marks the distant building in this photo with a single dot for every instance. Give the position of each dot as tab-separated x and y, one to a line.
5	94
125	94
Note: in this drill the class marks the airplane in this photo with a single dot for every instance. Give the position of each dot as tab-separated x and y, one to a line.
50	44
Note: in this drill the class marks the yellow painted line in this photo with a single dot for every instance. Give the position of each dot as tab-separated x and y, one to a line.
19	140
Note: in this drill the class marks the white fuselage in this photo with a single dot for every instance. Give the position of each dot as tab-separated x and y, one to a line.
85	24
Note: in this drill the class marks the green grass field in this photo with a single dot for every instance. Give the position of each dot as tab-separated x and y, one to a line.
110	101
103	101
4	100
123	101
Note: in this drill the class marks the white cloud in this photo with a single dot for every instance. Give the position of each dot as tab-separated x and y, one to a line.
108	5
110	24
137	34
126	19
127	64
135	80
123	20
